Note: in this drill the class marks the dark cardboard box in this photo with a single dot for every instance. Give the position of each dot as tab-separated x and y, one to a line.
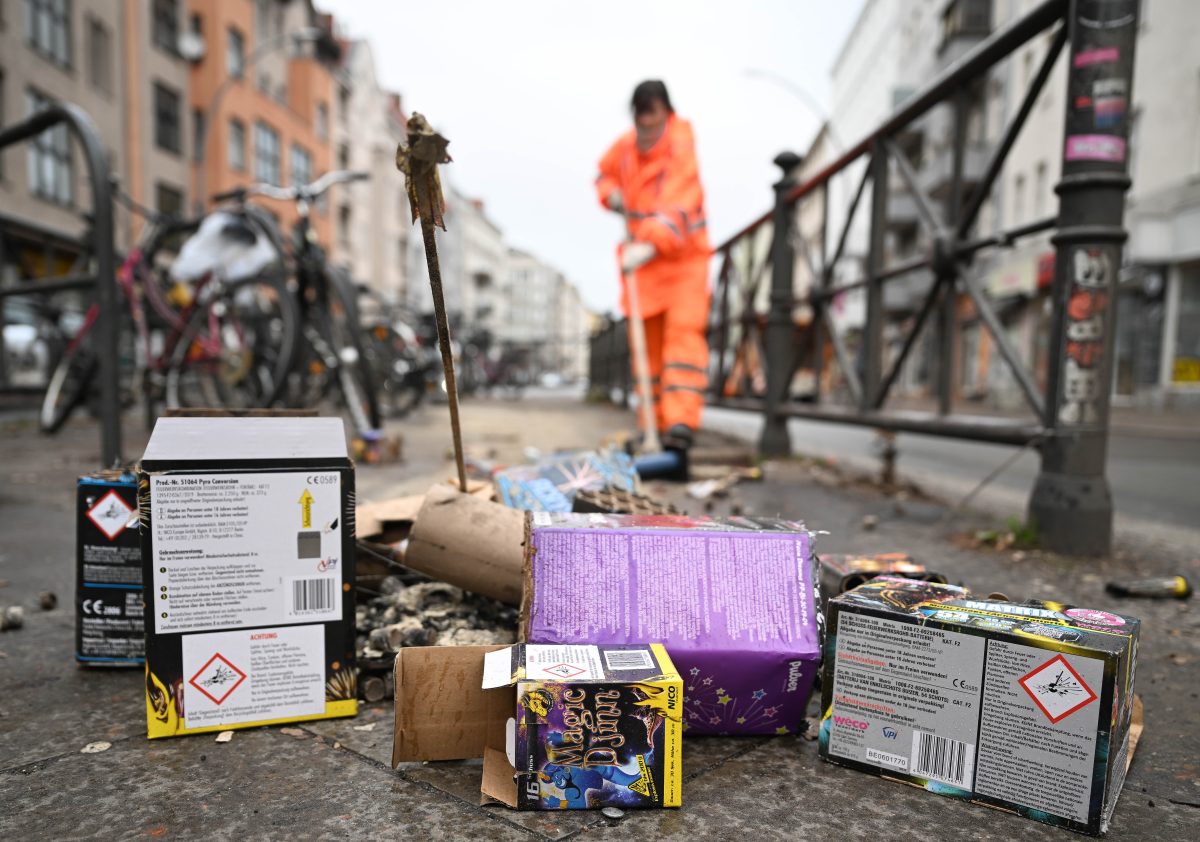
557	727
1026	708
109	614
248	560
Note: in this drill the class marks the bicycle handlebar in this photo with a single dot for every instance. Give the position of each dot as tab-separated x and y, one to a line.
307	192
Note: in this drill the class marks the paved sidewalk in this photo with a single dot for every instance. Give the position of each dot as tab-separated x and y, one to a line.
334	780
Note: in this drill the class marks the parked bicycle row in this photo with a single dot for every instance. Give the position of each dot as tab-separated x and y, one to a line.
225	311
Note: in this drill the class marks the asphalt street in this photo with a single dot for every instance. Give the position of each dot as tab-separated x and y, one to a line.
1153	478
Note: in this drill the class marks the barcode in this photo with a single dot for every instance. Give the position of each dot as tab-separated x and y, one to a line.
313	594
942	759
628	659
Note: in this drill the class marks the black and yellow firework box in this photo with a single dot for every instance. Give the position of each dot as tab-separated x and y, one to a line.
585	727
247	529
108	571
1028	707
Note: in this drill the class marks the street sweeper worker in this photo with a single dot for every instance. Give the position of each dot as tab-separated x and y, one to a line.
650	177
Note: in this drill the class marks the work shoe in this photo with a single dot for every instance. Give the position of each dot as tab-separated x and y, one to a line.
678	437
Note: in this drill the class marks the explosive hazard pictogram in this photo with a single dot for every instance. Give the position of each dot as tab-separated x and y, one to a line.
565	670
111	514
218	678
1057	689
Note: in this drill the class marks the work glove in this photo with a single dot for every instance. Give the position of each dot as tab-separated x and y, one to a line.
635	255
616	202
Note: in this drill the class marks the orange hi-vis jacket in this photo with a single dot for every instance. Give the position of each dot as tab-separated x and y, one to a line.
664	206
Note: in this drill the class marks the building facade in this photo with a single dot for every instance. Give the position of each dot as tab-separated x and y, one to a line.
264	93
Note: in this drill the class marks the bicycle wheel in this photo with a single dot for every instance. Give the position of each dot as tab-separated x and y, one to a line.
355	379
237	348
68	388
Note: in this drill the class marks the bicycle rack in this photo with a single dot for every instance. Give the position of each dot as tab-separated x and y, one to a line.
103	278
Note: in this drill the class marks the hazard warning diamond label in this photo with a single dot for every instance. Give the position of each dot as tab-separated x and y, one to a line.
1057	689
565	670
217	679
111	514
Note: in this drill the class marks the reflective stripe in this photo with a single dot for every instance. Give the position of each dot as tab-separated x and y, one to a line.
686	367
698	224
666	220
694	389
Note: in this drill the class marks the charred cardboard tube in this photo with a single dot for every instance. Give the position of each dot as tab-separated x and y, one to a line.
469	542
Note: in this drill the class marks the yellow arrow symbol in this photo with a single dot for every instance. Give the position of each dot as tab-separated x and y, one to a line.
306	510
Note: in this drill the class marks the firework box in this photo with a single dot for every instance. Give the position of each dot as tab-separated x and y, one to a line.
551	484
734	601
1023	707
108	572
248	560
557	727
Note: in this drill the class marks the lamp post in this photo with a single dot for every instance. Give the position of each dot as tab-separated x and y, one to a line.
326	50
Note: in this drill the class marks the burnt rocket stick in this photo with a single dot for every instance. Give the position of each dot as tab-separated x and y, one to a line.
419	162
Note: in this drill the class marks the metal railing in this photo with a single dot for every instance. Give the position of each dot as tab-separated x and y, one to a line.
758	345
98	242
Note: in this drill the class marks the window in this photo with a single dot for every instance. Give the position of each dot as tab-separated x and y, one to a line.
237	145
99	56
48	29
322	121
166	25
167	131
51	169
266	154
196	24
199	128
1040	191
301	165
344	225
343	156
1019	200
168	199
1	120
235	54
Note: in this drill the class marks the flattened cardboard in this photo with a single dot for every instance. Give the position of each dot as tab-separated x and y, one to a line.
441	707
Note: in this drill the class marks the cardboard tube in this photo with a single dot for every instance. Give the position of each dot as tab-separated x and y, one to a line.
472	543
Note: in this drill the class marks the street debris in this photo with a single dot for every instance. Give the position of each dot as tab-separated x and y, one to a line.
550	484
869	522
1162	587
613	813
96	747
468	542
248	557
616	501
370	726
841	573
745	636
12	618
1026	683
298	733
224	737
585	727
704	489
47	600
419	161
109	615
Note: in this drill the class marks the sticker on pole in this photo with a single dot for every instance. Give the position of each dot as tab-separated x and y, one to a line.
111	514
218	678
1057	689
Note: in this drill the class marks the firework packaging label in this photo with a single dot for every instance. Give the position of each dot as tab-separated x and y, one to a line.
558	726
247	535
108	572
1023	707
734	602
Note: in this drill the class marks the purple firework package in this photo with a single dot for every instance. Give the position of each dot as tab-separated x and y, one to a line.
734	601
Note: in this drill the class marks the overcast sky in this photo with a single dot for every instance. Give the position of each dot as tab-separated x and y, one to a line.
532	92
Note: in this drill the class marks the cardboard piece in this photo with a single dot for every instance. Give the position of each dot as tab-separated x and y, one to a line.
247	537
734	601
108	572
469	542
377	519
557	727
1027	708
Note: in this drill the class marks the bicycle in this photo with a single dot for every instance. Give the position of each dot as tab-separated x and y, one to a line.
333	354
236	336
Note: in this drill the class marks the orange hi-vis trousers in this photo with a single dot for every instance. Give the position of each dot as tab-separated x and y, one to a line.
677	354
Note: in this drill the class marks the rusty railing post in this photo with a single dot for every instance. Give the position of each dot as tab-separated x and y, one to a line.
776	441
